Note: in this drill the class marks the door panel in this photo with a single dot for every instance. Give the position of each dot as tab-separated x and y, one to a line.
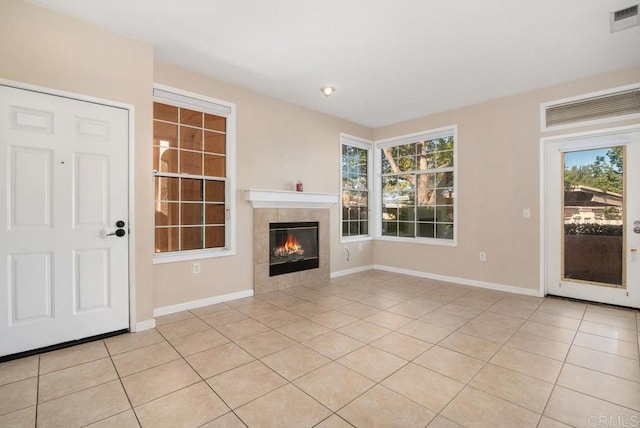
30	184
65	187
30	286
91	279
591	188
91	183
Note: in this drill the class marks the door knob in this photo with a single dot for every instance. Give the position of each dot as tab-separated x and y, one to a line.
119	233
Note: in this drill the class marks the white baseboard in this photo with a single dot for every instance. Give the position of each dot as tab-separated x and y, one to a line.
166	310
463	281
145	325
350	271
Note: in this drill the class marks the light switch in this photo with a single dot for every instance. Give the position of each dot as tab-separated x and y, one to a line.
526	213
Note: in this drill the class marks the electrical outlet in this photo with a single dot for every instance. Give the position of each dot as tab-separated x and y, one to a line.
483	256
526	213
195	268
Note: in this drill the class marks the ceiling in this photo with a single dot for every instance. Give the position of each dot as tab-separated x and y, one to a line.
389	60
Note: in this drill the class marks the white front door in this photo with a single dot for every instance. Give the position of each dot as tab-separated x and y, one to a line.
592	217
63	188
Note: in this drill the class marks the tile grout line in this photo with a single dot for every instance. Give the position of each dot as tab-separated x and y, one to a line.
37	392
564	362
122	386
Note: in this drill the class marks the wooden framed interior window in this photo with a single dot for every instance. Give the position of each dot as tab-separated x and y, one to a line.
190	166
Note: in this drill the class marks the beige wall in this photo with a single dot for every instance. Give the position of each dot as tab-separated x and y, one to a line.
44	48
277	144
498	176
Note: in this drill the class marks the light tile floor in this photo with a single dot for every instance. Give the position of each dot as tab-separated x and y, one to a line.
366	350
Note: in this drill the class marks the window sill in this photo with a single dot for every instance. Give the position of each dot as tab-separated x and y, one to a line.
421	241
186	256
360	238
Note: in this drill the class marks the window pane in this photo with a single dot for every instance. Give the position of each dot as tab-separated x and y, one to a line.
191	238
190	138
426	230
386	164
167	189
166	240
190	163
364	213
214	142
444	214
191	214
165	112
444	159
353	214
444	196
389	213
217	123
167	214
444	179
354	198
165	160
398	189
214	214
364	228
353	228
406	229
345	228
214	191
191	189
165	134
389	228
190	117
427	197
425	161
444	231
214	237
406	214
426	214
214	165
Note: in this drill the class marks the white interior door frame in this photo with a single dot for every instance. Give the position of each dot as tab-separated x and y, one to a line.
544	142
131	145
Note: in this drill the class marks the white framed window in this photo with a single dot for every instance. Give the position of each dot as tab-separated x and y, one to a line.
417	192
355	184
194	176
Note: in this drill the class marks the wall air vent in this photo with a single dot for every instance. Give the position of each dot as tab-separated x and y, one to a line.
624	18
616	104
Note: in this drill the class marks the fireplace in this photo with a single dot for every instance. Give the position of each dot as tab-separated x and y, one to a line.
293	247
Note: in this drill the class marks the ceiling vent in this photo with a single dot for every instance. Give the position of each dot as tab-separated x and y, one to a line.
623	103
624	18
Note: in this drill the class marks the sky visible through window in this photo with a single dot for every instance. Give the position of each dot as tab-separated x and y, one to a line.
583	157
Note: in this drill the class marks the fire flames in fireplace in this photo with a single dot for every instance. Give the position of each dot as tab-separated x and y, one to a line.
291	247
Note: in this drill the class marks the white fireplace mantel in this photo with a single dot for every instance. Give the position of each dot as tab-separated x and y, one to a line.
288	199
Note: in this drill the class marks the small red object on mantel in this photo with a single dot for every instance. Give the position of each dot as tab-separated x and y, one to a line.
299	187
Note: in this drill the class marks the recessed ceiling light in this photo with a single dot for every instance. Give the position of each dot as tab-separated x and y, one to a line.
327	90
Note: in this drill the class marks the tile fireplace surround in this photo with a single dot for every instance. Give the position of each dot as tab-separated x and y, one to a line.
280	206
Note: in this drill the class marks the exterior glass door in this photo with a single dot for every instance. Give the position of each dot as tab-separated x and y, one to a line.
591	216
